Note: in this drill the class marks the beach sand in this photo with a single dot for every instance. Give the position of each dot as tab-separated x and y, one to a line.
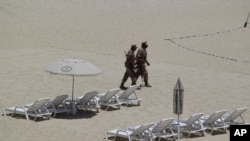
208	51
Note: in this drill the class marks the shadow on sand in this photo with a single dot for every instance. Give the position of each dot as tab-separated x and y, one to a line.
78	115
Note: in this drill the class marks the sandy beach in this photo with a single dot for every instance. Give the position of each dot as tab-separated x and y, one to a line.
201	42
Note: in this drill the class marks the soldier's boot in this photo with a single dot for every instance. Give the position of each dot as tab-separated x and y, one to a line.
147	84
134	83
122	86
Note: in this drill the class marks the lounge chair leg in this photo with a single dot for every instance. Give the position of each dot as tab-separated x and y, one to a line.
4	112
26	115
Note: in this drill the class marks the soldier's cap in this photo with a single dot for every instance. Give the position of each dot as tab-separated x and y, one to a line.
144	43
133	46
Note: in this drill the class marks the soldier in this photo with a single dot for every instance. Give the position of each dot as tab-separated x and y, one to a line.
130	65
141	59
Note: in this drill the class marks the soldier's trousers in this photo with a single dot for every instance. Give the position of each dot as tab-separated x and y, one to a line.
143	72
129	73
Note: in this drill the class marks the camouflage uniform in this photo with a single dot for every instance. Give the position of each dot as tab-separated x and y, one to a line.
131	68
141	58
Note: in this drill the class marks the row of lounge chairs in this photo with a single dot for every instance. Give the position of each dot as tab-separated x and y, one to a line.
44	107
196	124
148	131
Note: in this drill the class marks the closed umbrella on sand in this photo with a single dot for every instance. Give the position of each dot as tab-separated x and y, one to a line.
73	67
178	98
178	102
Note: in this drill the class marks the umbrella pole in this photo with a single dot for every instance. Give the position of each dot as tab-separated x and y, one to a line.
73	102
73	87
178	118
178	105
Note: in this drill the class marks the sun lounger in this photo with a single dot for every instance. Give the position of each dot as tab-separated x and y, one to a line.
215	121
110	98
234	116
141	133
193	125
163	129
88	101
129	96
36	109
57	105
160	130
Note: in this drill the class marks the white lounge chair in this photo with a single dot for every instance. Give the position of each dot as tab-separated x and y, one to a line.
57	105
129	96
193	125
215	121
141	133
163	129
110	98
36	109
88	101
234	116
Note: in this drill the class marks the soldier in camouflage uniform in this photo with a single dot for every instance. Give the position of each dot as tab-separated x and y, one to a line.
141	59
130	65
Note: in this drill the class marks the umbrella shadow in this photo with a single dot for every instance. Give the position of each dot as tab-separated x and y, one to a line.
78	115
197	135
117	138
20	116
130	105
216	132
105	108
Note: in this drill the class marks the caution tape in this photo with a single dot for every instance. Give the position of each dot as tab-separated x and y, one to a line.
205	35
202	52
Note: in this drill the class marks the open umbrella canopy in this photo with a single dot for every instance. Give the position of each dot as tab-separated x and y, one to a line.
73	67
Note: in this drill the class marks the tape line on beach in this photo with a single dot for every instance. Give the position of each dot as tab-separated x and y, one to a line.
206	34
208	54
205	53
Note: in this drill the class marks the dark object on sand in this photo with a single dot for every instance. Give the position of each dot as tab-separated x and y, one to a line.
245	25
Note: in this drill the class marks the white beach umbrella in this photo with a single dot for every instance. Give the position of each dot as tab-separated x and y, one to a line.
73	67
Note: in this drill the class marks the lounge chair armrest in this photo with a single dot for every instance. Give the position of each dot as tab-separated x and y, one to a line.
20	107
204	117
27	105
124	131
100	95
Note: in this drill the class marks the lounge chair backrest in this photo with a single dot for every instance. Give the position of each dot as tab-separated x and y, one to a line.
141	129
162	125
235	114
38	104
129	91
59	100
215	116
192	119
109	94
87	97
